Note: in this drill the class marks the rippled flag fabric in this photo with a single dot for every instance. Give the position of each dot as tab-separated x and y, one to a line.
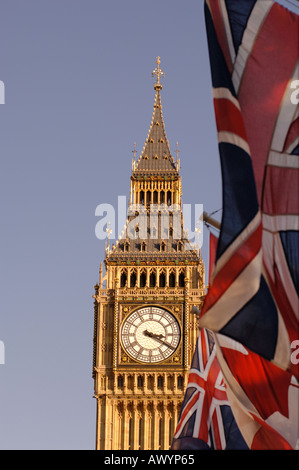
206	420
252	302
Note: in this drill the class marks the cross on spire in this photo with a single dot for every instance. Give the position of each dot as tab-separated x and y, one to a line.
134	151
158	72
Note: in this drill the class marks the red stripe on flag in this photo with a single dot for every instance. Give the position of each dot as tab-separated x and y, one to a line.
229	118
204	348
187	409
281	191
233	268
267	438
264	83
286	310
203	428
207	384
265	384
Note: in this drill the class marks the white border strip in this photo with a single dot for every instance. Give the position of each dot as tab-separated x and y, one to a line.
225	93
255	22
283	160
251	227
228	33
242	289
277	223
231	138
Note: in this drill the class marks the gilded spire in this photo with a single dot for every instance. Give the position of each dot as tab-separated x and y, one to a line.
156	155
158	72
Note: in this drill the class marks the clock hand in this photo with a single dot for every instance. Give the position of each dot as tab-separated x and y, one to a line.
165	344
158	338
152	335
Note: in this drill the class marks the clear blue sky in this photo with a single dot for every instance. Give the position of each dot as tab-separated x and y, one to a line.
78	94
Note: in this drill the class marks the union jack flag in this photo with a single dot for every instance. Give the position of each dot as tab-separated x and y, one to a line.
252	303
206	420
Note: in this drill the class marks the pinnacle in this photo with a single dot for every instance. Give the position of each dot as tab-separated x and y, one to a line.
156	155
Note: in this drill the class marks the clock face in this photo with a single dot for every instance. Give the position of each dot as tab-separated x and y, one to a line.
150	334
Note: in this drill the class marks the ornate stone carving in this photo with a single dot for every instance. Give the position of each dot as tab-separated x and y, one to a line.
122	403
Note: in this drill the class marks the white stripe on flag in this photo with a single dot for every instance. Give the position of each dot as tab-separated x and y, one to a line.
255	22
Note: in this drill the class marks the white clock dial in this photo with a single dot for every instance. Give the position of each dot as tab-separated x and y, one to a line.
150	334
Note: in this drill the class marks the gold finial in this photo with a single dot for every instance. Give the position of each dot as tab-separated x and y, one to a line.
177	150
158	72
107	244
134	151
177	157
108	230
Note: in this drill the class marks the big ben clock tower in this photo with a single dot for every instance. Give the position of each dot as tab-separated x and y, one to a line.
144	334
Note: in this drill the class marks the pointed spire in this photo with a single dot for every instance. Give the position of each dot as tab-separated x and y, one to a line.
156	155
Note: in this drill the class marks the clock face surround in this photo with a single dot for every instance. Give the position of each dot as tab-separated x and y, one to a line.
150	334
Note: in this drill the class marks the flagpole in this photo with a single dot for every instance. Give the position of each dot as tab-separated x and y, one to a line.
207	218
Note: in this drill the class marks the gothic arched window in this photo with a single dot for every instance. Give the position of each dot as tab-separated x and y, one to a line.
123	279
171	280
162	280
180	381
148	197
133	280
139	381
152	280
160	381
142	280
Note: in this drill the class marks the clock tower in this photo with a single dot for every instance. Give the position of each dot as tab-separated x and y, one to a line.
144	333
